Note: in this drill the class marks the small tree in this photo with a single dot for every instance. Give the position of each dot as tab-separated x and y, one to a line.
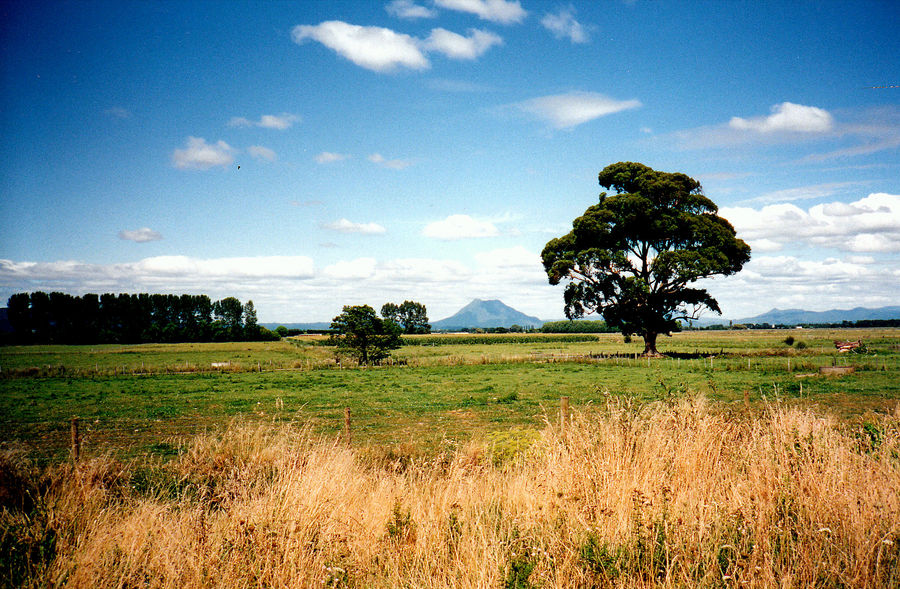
632	256
251	324
365	335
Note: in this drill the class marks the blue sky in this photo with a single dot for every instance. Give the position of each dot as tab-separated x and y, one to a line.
308	155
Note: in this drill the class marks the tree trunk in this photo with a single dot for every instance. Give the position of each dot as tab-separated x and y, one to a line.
650	345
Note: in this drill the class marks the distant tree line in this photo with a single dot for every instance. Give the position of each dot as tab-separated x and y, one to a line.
577	326
59	318
867	323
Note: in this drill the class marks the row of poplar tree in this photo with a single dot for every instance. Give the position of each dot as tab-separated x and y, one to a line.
59	318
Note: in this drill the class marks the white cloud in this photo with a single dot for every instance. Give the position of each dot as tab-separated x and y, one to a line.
409	9
787	117
377	158
871	224
456	46
384	50
327	157
173	274
345	226
142	235
501	11
457	227
358	269
564	26
280	122
260	152
564	111
299	267
199	155
374	48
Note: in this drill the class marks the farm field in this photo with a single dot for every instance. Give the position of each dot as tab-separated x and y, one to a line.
439	390
459	472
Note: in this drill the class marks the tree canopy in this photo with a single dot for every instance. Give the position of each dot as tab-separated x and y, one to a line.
633	256
359	331
60	318
411	316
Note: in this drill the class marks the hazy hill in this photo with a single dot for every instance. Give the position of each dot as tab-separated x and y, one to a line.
491	313
798	316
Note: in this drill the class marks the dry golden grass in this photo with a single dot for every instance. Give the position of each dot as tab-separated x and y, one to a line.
662	495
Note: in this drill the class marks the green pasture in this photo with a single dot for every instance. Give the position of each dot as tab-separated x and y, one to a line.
134	400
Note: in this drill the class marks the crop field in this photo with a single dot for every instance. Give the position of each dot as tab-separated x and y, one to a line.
736	461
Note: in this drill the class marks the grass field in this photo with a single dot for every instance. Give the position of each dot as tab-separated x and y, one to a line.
138	399
731	463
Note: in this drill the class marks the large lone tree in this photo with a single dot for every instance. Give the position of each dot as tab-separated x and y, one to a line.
633	256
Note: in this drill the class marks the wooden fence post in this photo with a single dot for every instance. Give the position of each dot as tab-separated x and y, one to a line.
76	440
347	425
563	413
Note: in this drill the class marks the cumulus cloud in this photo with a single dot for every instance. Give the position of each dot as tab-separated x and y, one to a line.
156	274
787	117
327	157
261	153
199	155
358	269
456	46
457	227
564	26
409	9
378	159
564	111
500	11
280	122
384	50
142	235
345	226
871	224
787	281
375	48
299	267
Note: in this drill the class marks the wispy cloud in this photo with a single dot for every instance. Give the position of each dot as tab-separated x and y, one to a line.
262	153
118	112
142	235
345	226
499	11
396	164
409	10
456	46
564	26
200	155
804	192
445	85
280	122
327	157
456	227
564	111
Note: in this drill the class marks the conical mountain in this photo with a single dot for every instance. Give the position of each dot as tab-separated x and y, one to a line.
492	313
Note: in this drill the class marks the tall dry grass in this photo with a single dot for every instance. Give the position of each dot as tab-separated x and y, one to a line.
665	495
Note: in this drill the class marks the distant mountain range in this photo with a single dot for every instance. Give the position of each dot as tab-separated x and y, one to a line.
491	313
800	316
